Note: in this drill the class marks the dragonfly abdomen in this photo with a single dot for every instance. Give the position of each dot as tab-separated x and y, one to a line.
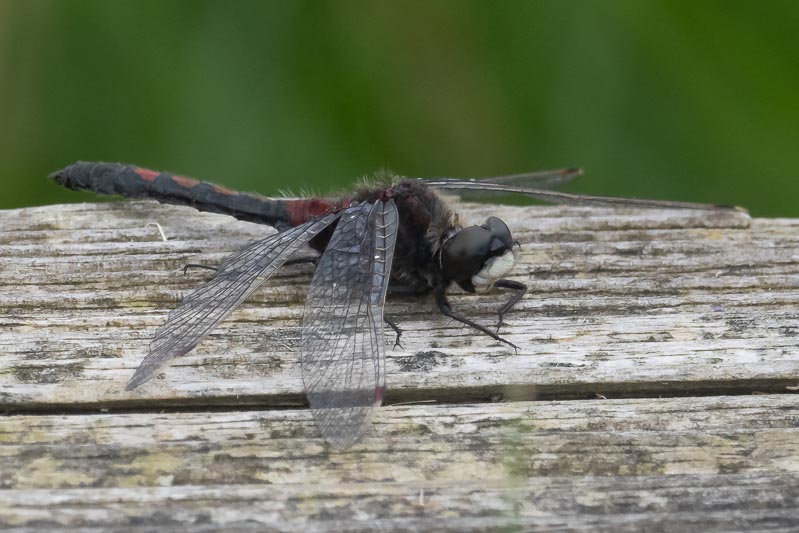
131	181
301	210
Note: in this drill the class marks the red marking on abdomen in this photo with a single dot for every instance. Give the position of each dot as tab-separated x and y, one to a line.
147	175
187	183
223	190
301	211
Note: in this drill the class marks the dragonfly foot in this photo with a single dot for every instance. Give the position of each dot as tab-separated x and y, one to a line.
515	348
197	265
397	330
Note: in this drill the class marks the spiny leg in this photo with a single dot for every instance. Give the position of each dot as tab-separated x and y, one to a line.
313	259
298	261
446	309
399	289
521	290
197	265
397	330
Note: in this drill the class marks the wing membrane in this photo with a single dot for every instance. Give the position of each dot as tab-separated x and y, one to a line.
204	308
342	332
545	179
568	198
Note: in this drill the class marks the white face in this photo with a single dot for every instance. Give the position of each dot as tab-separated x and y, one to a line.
494	269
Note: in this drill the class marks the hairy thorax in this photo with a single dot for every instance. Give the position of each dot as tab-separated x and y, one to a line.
425	222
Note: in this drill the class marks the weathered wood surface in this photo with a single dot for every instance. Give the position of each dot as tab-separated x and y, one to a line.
421	443
757	502
621	464
623	304
636	302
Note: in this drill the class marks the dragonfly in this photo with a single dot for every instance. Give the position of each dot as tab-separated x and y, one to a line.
393	235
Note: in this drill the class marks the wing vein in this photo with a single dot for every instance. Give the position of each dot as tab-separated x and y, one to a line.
205	307
342	356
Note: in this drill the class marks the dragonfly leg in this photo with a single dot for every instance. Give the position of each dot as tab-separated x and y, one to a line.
298	261
197	265
396	289
446	308
303	260
397	330
521	290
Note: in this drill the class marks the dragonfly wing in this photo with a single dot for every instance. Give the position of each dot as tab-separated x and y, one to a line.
204	308
568	198
342	342
545	179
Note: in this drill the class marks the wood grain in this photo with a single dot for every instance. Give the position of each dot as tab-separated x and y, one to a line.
676	317
620	303
629	464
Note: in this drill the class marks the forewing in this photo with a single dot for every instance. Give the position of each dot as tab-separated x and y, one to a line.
567	198
545	179
204	308
342	342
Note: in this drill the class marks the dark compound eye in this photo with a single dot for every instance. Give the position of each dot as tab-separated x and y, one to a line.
465	254
500	233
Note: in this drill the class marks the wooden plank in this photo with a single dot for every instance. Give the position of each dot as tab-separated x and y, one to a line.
454	443
622	302
754	502
705	463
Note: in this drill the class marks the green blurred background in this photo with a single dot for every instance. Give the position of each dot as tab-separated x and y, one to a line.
684	100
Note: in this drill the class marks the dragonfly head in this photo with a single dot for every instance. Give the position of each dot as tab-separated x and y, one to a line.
477	256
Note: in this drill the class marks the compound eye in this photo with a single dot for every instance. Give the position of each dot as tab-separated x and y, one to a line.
464	254
500	234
